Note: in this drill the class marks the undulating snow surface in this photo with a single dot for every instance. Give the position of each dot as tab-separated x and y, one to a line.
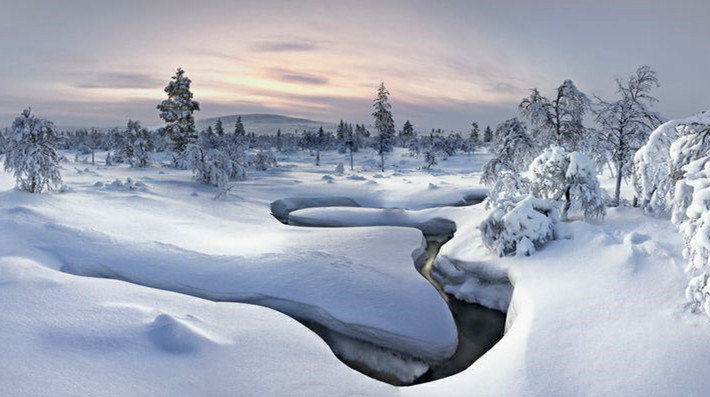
64	335
599	312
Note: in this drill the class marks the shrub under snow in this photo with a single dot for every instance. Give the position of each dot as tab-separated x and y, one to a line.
655	172
520	228
692	216
556	174
263	160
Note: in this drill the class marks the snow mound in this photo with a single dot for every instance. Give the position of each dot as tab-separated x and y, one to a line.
281	208
174	335
128	186
347	217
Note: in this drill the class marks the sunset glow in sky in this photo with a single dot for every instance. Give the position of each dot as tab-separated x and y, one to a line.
445	63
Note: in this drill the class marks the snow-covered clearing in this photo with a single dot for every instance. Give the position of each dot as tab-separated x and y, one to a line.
599	313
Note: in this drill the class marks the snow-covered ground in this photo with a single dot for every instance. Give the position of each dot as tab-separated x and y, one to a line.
599	313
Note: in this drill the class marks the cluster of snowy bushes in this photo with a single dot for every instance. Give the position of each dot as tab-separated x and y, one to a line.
437	146
526	209
553	158
520	228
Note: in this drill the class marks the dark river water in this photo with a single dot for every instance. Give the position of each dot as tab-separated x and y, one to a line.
479	328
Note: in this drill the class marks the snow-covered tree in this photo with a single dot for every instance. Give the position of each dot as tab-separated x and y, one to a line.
384	124
279	141
627	122
513	149
650	172
407	133
475	132
219	128
263	160
520	228
239	127
320	140
559	120
177	112
469	145
341	130
350	142
487	134
214	161
556	175
31	155
136	145
691	213
429	158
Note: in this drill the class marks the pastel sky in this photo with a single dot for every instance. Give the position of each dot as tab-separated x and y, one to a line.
445	63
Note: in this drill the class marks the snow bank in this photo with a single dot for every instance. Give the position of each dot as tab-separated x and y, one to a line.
599	313
359	282
338	217
68	336
282	207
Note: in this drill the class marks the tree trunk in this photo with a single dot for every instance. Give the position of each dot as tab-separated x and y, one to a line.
318	157
382	158
617	189
92	157
568	203
351	160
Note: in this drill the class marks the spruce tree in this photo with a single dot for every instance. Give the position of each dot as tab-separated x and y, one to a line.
384	124
474	132
320	138
219	128
279	141
407	133
239	127
177	111
488	134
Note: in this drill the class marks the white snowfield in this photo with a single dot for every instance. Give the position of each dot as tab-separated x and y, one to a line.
601	313
64	335
464	267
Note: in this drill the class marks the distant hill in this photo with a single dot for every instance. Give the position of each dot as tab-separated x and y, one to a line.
263	124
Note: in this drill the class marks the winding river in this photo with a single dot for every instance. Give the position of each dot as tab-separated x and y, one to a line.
479	328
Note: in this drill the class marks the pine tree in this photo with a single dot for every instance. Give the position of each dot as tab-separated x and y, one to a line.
279	141
488	134
407	133
350	143
320	138
474	132
177	111
239	127
340	131
219	128
384	124
31	153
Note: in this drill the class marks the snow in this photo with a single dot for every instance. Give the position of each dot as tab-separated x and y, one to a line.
68	336
601	310
338	217
653	165
600	313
